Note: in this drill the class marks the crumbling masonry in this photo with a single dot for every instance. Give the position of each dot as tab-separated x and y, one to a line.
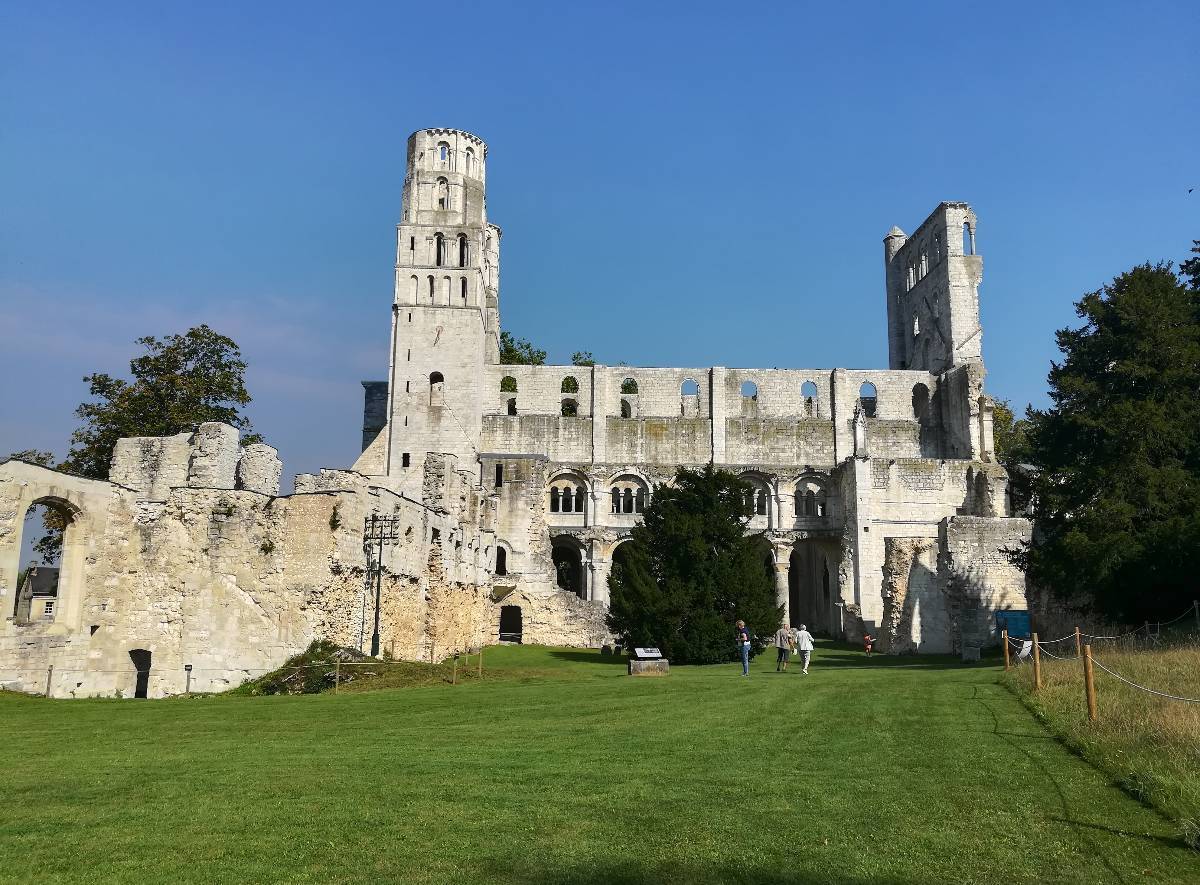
877	493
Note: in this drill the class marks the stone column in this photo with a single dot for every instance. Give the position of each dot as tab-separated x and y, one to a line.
782	593
716	412
600	570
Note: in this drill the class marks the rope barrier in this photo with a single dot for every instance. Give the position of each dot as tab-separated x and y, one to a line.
1161	694
1047	651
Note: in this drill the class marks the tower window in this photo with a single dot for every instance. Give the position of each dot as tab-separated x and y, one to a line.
464	255
499	475
463	287
439	249
808	391
412	244
443	153
406	460
436	390
470	161
443	194
501	562
868	398
512	405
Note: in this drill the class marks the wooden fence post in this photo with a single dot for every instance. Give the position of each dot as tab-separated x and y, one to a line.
1196	610
1089	683
1004	639
480	672
454	671
337	674
1078	646
1037	665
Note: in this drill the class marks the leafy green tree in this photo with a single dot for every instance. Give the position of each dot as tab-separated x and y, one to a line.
1011	439
180	382
690	572
519	352
1116	459
1191	267
582	358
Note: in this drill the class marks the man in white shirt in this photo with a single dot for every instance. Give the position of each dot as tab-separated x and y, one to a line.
804	645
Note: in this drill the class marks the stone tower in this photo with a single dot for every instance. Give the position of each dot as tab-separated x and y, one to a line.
445	322
933	292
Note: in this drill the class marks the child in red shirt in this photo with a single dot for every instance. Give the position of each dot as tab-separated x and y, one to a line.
868	641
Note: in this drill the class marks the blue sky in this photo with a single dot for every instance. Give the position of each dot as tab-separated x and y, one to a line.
679	184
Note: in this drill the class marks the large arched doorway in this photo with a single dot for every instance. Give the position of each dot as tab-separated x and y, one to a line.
568	566
811	580
52	546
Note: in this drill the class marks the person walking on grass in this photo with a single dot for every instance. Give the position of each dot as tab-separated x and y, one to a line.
783	646
868	643
743	644
804	645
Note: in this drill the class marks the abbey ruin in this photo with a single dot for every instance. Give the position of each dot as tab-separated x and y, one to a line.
509	489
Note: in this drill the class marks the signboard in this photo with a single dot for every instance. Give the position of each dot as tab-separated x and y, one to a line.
643	654
1016	622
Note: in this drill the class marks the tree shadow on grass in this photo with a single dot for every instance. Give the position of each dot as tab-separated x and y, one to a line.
845	656
587	657
633	873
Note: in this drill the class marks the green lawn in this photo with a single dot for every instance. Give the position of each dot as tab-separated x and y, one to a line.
559	768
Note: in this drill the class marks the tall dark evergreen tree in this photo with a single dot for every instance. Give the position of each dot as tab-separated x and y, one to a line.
1116	459
691	572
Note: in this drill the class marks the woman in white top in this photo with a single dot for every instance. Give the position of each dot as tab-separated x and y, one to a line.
804	645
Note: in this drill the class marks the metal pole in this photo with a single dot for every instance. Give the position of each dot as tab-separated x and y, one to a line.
378	593
1004	639
1037	665
49	676
1089	683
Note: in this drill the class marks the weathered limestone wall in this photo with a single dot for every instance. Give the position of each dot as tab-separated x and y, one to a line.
259	469
981	578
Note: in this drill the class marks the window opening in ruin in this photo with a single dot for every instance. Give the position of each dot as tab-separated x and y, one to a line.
920	401
510	623
501	562
968	239
407	385
868	398
616	500
470	161
570	408
412	244
463	288
749	390
141	664
508	384
629	386
554	500
808	390
570	385
406	459
499	475
443	196
627	501
410	312
916	325
639	501
416	288
689	388
512	405
436	391
760	503
446	290
40	585
464	255
626	409
431	288
443	151
568	569
579	500
92	629
937	248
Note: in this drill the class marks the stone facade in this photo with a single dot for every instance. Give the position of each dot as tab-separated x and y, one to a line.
877	493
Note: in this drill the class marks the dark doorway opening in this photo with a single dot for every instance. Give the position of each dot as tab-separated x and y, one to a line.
510	623
141	663
568	569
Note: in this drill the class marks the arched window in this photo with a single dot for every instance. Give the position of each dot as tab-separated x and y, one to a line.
508	384
629	493
554	499
436	390
443	194
501	562
463	290
749	390
431	289
570	494
464	251
968	239
579	502
512	405
470	161
626	409
760	502
416	285
570	385
639	501
810	503
446	290
443	153
689	388
499	475
808	391
920	402
570	408
868	398
616	500
627	501
629	386
439	250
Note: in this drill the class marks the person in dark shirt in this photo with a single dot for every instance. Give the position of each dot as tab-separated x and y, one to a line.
743	643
